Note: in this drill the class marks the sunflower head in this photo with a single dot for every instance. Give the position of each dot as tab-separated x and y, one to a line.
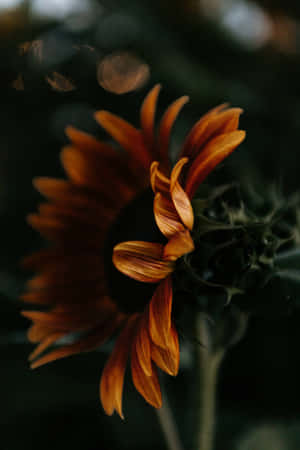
121	226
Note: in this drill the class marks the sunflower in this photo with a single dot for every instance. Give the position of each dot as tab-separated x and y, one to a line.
81	280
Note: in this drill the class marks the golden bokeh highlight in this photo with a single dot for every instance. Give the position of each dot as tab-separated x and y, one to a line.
122	72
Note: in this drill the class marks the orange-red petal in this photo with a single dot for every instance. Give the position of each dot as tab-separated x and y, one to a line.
143	345
159	182
179	197
142	261
166	216
112	380
167	359
147	386
166	125
87	142
148	111
160	309
214	153
126	135
205	128
88	343
180	244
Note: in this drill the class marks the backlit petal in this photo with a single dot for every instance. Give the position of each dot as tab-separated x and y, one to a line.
221	123
142	261
189	147
148	111
167	359
148	386
214	153
166	125
160	309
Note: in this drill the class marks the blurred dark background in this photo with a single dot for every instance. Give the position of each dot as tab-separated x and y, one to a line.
60	61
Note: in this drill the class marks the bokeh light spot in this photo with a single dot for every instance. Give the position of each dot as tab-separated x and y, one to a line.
59	9
122	72
10	4
60	83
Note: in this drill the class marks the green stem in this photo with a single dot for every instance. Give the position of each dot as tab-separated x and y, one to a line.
213	342
208	363
168	426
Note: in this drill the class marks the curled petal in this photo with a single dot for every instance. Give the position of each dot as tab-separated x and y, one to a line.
142	261
159	182
167	359
112	380
179	197
214	153
180	244
148	111
160	309
126	135
166	216
148	386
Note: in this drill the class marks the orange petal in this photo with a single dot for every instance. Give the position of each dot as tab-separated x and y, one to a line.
64	321
220	123
126	135
179	197
159	182
49	340
53	188
66	193
180	244
148	111
160	309
112	380
37	332
166	125
214	153
198	130
166	216
167	359
142	345
87	142
94	172
142	261
86	344
148	386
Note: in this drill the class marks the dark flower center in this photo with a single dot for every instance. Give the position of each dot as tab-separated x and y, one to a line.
134	223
